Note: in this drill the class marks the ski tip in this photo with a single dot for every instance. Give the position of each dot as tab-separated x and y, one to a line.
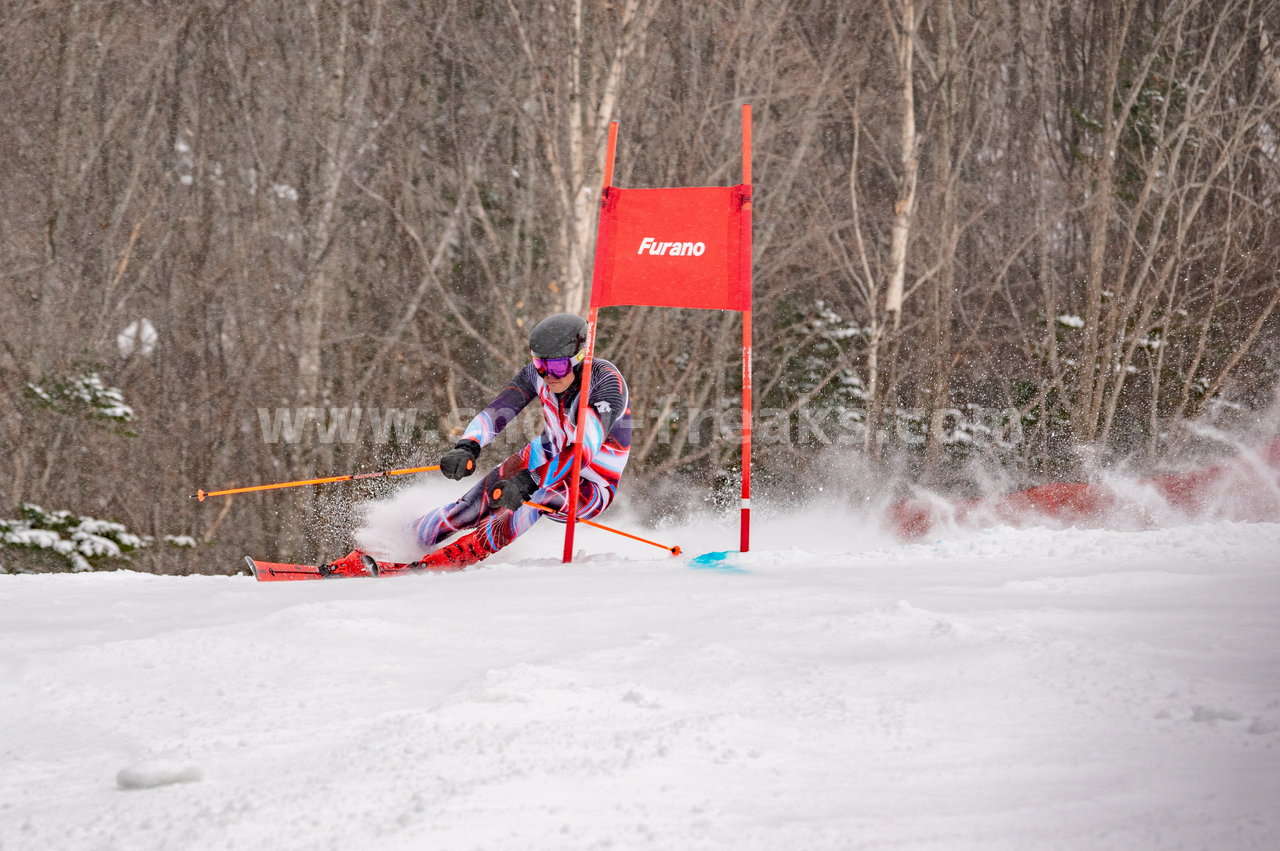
253	566
718	561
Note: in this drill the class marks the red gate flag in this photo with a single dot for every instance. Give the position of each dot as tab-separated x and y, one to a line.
679	247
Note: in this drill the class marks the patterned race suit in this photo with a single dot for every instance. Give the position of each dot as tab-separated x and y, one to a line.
548	458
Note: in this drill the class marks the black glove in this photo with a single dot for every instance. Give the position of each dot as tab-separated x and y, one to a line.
461	459
511	493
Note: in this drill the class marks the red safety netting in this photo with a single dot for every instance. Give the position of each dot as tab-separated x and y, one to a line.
1245	488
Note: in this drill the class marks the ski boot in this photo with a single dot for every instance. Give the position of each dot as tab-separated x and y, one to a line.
354	563
464	552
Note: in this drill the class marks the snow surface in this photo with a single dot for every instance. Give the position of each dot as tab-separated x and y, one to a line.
1016	689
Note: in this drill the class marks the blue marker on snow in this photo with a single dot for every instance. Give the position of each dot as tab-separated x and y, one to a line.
716	561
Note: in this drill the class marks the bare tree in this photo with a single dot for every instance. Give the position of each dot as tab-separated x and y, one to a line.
1060	212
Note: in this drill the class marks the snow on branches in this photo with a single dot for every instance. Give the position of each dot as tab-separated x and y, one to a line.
60	540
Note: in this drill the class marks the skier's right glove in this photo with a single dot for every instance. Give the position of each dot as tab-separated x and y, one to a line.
511	493
461	459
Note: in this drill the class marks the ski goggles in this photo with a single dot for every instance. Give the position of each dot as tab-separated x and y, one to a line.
557	367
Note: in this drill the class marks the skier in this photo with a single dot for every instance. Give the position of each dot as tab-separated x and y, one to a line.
493	513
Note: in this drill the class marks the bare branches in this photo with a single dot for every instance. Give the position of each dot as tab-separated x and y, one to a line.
1063	211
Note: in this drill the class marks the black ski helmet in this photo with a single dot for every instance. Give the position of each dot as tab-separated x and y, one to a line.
560	336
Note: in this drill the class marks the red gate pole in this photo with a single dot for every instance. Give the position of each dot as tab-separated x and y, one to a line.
745	266
585	387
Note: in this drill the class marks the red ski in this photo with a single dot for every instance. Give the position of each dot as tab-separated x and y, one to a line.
353	564
271	571
400	568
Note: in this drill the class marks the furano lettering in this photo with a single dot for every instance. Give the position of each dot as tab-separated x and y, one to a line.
671	249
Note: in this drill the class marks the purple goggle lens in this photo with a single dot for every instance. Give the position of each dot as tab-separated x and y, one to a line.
554	367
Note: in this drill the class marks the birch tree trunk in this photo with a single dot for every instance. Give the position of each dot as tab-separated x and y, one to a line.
588	126
340	122
946	178
882	359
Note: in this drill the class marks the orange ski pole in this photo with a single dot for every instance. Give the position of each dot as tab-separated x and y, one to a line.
675	551
200	495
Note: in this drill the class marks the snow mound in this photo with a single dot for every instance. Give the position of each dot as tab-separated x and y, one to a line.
157	772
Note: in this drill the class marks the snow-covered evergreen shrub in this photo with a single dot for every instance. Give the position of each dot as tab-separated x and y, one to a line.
85	394
60	540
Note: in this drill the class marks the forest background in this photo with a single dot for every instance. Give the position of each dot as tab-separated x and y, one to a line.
248	241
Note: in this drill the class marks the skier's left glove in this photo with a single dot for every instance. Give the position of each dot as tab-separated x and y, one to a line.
511	493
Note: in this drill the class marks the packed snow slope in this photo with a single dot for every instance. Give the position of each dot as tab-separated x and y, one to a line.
1018	689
